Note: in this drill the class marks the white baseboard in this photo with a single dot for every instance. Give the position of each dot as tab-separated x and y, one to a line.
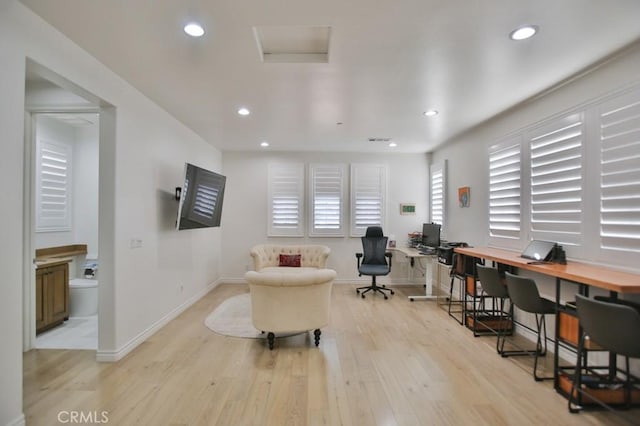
20	421
357	280
114	356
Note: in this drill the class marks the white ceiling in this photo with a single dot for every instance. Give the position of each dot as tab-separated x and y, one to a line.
389	61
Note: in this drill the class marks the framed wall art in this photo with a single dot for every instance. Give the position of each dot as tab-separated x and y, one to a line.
464	196
407	208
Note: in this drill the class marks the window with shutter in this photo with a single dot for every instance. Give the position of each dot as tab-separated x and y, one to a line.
53	186
619	125
597	146
556	180
504	190
438	176
327	199
368	194
286	198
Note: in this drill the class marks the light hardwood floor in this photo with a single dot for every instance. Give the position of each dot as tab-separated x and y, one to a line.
380	362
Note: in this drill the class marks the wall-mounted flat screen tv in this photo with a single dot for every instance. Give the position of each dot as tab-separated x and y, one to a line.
200	198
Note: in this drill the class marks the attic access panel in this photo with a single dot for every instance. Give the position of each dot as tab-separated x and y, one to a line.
293	44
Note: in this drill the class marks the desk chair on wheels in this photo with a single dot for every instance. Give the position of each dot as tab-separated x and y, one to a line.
373	260
525	296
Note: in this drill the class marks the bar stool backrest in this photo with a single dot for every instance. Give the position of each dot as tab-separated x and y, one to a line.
491	282
613	326
524	293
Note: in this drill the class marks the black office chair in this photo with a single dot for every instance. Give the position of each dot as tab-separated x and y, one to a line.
525	296
374	263
615	326
493	286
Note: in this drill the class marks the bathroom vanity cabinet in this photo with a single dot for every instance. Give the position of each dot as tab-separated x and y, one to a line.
52	293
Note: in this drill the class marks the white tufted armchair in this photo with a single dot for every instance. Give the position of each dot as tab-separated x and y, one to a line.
266	257
286	299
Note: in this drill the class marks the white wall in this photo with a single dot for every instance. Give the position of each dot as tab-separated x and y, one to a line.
85	190
467	156
244	216
11	119
145	159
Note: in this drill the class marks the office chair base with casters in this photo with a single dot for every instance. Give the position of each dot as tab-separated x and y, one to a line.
375	288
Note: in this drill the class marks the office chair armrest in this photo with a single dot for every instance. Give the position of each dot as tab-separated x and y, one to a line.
359	256
389	255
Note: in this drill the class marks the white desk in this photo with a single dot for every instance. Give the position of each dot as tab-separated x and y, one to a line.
414	255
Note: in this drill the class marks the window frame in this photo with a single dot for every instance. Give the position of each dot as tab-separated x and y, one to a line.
293	190
358	228
43	222
438	193
341	171
566	134
508	148
589	244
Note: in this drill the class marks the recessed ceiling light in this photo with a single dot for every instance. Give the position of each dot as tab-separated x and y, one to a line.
193	29
244	111
264	144
431	113
393	144
523	32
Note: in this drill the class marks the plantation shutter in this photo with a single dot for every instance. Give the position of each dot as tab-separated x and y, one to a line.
505	190
53	186
286	196
327	192
207	195
438	173
368	190
620	173
556	152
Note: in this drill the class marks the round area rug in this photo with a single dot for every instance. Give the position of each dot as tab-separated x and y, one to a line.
233	318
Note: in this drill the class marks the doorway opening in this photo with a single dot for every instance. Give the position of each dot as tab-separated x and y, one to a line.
63	290
65	185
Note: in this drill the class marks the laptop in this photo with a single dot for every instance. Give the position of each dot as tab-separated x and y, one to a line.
538	250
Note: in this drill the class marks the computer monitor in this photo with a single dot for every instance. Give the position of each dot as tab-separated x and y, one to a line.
431	234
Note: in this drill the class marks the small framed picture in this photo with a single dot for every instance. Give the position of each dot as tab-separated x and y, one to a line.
464	196
407	208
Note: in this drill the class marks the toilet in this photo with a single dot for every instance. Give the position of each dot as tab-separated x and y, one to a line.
83	297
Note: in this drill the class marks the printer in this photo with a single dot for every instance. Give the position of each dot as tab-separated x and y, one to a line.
445	252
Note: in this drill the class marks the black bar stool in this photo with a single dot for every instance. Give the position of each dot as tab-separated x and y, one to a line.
615	326
493	286
525	296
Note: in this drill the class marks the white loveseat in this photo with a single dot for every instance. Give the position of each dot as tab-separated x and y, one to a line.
288	299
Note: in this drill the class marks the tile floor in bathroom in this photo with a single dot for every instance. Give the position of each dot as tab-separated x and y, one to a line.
75	333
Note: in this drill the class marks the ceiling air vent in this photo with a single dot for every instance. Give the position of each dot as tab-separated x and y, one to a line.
379	139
